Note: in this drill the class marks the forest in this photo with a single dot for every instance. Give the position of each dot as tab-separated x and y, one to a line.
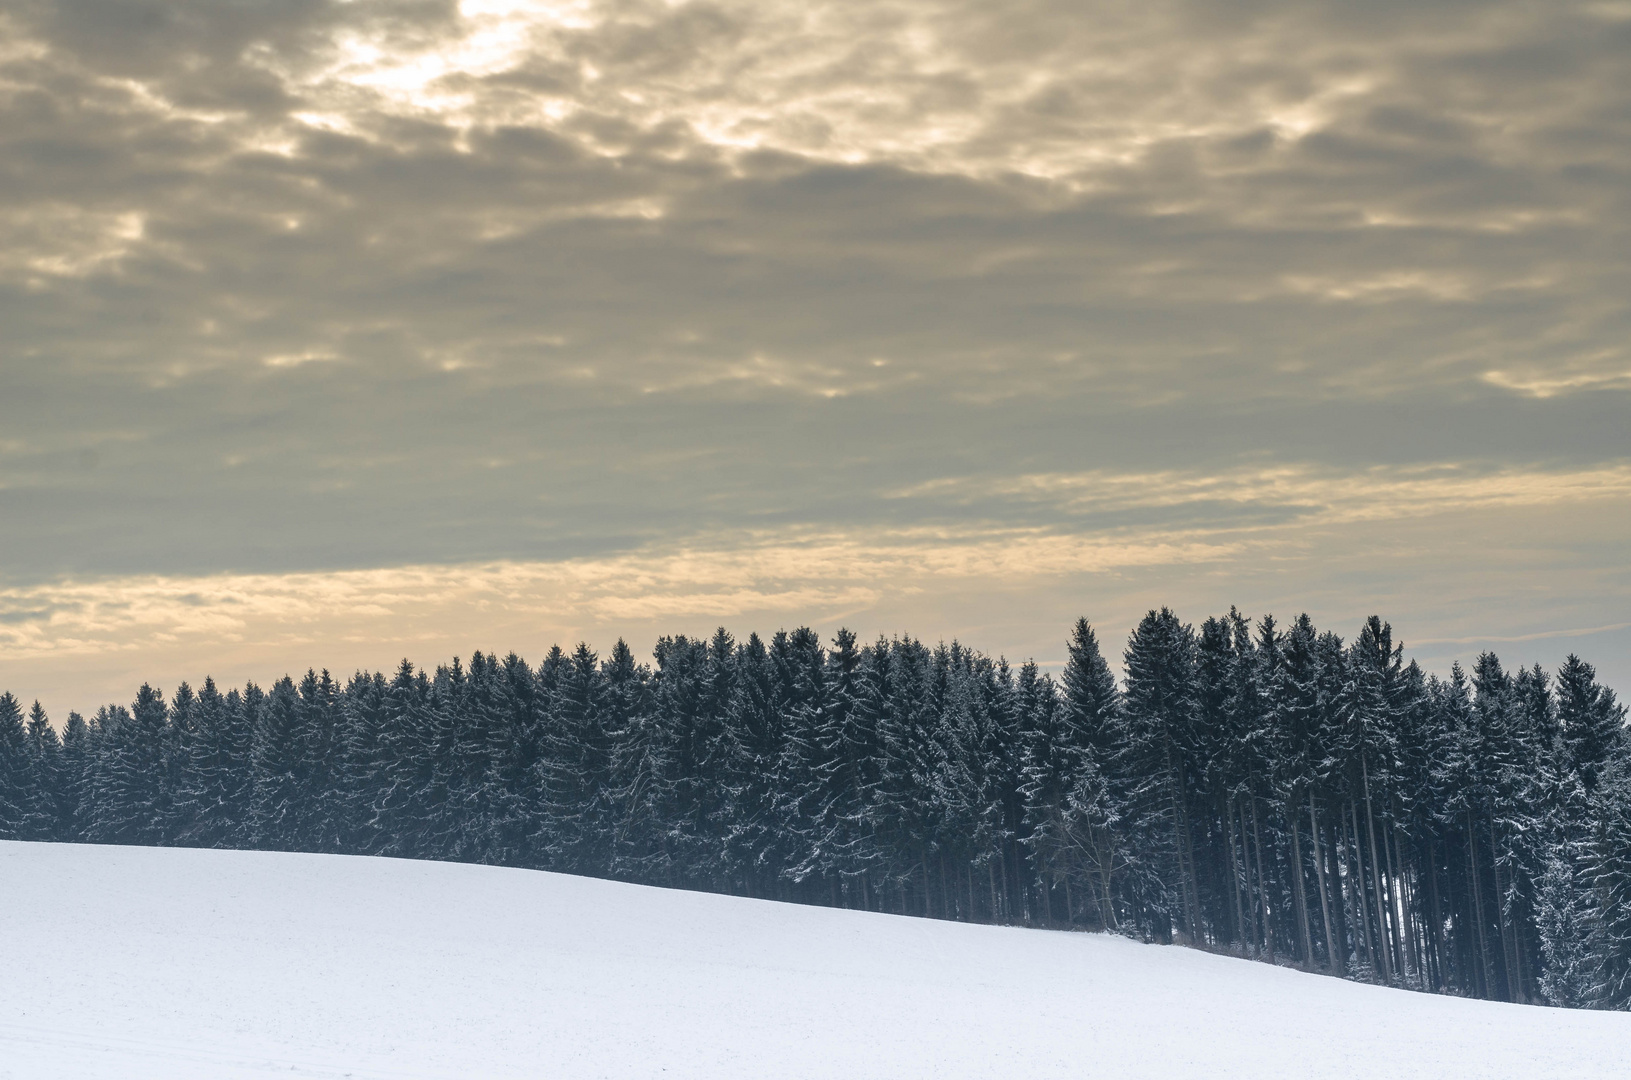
1265	790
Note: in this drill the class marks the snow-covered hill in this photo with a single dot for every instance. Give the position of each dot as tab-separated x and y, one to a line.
135	963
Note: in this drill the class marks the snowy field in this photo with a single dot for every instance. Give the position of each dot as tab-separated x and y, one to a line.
138	963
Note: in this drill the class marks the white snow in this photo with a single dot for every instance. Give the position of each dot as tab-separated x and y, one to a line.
138	963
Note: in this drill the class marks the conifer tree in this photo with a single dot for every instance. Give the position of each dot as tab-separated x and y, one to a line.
575	769
1366	750
517	762
406	787
75	777
427	768
967	802
278	784
179	737
901	807
16	773
839	757
801	665
1301	725
130	803
1161	706
693	683
480	740
42	816
1592	722
641	764
1072	808
212	802
363	768
1608	870
1565	910
753	718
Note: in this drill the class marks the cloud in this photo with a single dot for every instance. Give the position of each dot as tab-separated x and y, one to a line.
1545	384
708	577
1584	631
1315	496
1342	545
322	288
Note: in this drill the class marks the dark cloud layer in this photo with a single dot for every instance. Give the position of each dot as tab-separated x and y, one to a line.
296	286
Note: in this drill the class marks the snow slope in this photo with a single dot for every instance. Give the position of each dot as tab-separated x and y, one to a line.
136	963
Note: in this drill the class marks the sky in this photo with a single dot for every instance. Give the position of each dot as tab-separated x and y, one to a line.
337	333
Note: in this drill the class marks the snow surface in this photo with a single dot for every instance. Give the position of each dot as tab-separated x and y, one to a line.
137	963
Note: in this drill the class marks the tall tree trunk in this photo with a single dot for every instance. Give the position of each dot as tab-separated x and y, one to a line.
1478	910
1361	910
1262	891
1299	895
1234	875
1092	880
1438	919
1396	908
1104	843
1376	880
1319	878
1339	890
1181	842
1508	961
1412	905
1256	940
1197	930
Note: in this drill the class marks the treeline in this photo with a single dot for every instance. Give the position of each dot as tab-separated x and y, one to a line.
1273	792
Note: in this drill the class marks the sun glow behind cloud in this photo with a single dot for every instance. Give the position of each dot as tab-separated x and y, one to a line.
930	87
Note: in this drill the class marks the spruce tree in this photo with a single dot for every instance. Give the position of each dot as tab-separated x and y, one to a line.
426	770
212	803
1161	709
16	772
130	803
1565	910
363	768
480	740
179	737
901	806
839	760
405	780
1073	810
641	768
1608	872
1301	726
1592	722
42	818
693	683
516	766
753	718
277	780
575	769
75	777
801	665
